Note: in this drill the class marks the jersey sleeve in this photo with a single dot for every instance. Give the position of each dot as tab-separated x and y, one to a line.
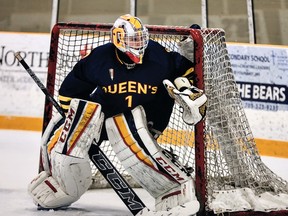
75	85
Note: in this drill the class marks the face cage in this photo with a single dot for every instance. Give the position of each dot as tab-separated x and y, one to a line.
136	43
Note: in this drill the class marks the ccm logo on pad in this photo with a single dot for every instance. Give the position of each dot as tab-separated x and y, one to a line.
67	125
176	175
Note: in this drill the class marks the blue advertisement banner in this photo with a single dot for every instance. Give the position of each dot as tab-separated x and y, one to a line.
270	97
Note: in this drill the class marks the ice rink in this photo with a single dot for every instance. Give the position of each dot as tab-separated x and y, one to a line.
19	155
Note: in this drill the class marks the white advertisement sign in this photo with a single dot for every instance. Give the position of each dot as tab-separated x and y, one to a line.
20	96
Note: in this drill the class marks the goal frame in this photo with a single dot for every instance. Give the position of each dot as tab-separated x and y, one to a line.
200	181
200	172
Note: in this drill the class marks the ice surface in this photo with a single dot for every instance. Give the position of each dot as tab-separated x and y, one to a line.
19	155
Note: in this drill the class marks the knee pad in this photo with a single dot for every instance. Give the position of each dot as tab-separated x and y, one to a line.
74	134
82	125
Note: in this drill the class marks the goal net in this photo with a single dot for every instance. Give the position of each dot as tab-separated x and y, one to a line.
228	171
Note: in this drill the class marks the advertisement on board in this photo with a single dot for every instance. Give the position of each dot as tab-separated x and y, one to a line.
19	94
261	73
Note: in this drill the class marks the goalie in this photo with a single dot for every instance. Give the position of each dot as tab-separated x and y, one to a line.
126	86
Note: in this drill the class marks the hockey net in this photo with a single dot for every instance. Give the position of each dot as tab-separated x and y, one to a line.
228	171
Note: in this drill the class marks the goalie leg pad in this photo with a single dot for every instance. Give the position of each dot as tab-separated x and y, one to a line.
150	165
69	162
72	174
74	135
182	195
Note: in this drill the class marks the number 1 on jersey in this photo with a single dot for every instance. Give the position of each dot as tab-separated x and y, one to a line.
129	100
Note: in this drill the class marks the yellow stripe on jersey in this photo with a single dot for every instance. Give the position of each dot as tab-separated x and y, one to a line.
65	107
188	72
117	56
129	140
88	113
64	98
64	102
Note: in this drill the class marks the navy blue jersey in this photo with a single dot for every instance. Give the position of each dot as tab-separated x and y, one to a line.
102	77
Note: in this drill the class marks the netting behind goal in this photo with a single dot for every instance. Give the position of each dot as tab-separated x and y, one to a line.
221	149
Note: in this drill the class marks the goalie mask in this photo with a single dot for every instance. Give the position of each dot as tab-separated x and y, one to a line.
130	36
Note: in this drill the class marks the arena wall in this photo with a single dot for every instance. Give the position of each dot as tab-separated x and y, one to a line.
260	72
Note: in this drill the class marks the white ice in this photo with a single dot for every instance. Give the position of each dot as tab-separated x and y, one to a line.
19	155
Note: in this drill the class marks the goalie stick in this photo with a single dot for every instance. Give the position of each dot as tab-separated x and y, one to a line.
97	156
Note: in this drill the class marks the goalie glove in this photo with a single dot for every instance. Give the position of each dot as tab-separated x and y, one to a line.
190	98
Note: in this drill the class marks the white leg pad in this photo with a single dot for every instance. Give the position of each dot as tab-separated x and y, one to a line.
137	161
147	162
67	163
181	195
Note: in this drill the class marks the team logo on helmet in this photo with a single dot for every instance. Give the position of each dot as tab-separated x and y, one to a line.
130	36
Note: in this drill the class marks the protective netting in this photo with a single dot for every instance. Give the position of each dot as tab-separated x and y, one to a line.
233	166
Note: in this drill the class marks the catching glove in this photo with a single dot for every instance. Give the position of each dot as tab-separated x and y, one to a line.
191	99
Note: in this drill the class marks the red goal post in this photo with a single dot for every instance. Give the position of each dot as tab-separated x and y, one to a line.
221	149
